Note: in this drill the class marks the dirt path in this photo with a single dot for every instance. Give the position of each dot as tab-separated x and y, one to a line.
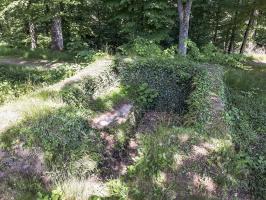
13	112
92	70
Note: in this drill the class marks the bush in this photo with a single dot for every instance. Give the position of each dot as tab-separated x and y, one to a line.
143	95
76	44
211	54
141	47
207	84
163	83
85	56
82	93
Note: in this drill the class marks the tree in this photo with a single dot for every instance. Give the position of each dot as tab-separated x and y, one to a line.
56	34
250	25
234	28
33	36
184	11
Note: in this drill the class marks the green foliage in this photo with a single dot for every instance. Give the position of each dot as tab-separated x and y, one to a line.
55	195
85	56
198	101
156	153
141	47
146	48
211	54
76	44
248	129
169	79
152	20
143	95
36	54
207	84
82	93
247	112
16	81
64	136
261	36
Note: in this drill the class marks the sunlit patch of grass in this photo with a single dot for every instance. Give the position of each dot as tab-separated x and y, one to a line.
16	81
109	100
13	112
75	188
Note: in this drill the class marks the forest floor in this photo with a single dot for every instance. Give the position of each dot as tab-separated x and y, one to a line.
12	112
135	163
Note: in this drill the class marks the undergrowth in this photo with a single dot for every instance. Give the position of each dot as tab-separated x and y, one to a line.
16	81
169	158
248	114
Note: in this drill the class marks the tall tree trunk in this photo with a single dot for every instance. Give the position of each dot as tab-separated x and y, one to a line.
233	33
226	41
184	16
250	25
33	37
216	25
56	34
232	40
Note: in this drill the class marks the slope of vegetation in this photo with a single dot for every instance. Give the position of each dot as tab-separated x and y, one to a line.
16	81
132	100
163	153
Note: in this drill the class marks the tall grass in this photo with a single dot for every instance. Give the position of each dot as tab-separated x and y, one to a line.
36	54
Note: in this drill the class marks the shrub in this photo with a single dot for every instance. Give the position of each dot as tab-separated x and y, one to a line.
207	85
85	56
141	47
76	44
143	95
164	83
211	54
83	92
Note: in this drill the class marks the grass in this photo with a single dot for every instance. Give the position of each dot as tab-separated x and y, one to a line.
168	162
37	54
16	81
248	111
72	150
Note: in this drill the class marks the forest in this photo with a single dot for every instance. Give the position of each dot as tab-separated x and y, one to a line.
132	99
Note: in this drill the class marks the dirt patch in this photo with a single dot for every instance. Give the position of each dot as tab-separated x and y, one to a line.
152	119
23	161
116	157
113	117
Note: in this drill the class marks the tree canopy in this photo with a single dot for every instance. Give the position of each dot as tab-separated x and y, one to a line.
226	23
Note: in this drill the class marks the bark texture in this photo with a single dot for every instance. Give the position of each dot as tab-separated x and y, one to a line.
231	47
250	25
184	11
57	35
33	37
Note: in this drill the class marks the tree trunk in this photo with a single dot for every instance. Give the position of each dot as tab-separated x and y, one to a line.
232	40
56	34
33	36
226	41
216	25
250	25
233	33
184	16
